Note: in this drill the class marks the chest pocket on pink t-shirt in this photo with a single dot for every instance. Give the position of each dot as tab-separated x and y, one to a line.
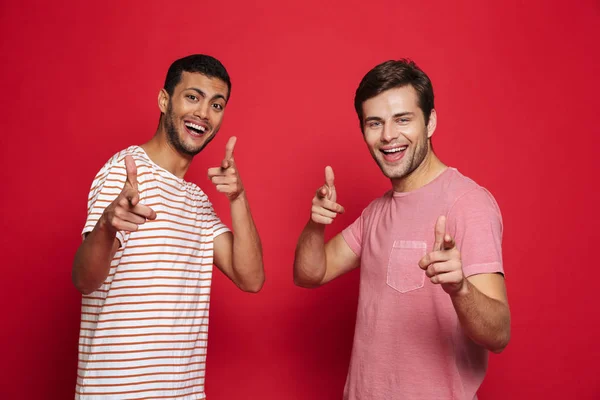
403	271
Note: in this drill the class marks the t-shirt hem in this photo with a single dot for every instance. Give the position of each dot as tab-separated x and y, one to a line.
351	241
487	268
120	235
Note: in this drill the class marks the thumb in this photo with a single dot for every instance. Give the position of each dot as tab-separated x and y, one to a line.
449	242
329	177
322	192
440	232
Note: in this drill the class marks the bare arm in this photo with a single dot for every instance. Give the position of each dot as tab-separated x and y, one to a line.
317	263
92	260
93	257
237	255
480	301
482	309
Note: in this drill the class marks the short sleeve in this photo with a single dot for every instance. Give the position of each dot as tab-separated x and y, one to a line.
353	235
107	185
218	227
475	222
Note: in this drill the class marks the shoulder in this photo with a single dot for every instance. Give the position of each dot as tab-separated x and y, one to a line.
376	205
464	194
117	161
197	192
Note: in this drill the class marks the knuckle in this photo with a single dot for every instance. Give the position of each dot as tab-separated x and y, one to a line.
431	271
117	212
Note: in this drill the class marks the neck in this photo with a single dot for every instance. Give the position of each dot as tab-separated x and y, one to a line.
427	171
162	153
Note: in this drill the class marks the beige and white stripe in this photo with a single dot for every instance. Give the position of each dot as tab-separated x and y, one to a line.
144	332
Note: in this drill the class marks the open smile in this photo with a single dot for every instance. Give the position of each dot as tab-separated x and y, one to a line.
393	153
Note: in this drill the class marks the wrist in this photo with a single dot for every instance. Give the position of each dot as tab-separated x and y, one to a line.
240	198
104	227
315	226
463	291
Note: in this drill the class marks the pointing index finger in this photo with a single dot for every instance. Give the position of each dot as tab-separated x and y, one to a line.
229	148
131	169
440	231
329	177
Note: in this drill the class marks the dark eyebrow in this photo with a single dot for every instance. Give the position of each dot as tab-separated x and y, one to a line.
397	115
369	119
404	114
201	93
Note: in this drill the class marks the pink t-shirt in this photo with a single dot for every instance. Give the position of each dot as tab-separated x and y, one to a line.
408	342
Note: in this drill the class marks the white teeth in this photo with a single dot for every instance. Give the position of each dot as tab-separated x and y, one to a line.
395	150
192	125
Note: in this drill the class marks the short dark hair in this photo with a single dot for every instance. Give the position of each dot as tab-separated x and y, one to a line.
199	63
392	74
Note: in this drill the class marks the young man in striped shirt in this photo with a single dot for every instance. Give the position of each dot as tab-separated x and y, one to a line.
150	241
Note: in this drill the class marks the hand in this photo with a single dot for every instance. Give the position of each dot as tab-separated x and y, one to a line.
324	206
443	265
226	177
125	213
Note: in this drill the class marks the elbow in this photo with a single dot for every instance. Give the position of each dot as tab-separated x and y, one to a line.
82	287
498	348
306	282
501	343
85	291
253	287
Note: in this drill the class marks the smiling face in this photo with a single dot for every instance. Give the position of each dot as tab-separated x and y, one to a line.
193	114
395	131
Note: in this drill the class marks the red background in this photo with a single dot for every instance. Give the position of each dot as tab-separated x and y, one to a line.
516	88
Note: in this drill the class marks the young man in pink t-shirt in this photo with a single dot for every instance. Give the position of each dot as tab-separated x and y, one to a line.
432	298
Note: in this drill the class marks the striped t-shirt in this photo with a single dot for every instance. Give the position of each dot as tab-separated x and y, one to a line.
144	331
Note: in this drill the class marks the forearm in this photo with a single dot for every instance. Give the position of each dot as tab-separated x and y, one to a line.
484	319
247	249
92	260
310	262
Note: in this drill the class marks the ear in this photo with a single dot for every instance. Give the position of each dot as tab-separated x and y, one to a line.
431	125
163	101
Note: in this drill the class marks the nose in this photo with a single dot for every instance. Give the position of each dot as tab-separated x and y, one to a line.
388	133
202	110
